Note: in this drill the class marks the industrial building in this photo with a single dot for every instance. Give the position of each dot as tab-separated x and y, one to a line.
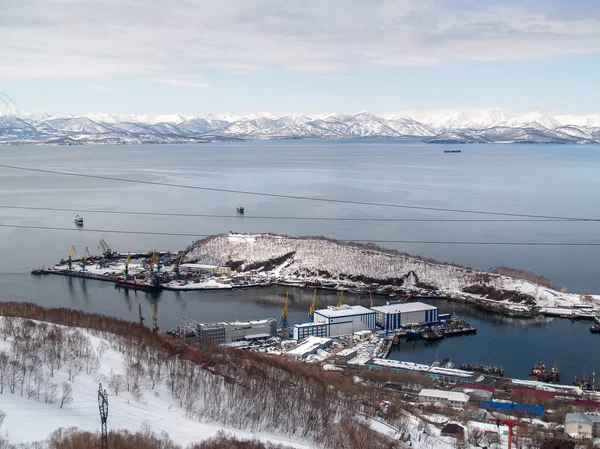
229	332
337	322
443	375
583	425
454	398
310	346
301	331
394	316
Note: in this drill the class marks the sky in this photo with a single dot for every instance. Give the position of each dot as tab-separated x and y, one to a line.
312	57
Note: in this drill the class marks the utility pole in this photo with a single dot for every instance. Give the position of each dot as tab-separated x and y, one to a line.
141	318
154	324
103	406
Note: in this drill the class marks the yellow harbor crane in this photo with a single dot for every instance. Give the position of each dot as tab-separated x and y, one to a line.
284	321
406	299
107	252
371	299
72	254
313	306
86	254
340	301
126	270
178	264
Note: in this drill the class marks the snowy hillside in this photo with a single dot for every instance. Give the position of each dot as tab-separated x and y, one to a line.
453	126
63	366
318	259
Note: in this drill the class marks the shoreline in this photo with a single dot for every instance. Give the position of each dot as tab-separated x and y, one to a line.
482	304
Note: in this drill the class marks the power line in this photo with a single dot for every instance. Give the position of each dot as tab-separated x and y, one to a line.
274	217
417	242
292	197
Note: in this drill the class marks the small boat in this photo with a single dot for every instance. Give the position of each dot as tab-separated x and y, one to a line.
78	220
595	329
452	151
328	284
239	209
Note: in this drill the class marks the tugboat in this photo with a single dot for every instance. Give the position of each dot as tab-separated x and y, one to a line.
239	209
584	383
78	220
432	335
490	370
541	374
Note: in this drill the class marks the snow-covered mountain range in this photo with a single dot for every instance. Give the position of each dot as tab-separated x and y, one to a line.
18	126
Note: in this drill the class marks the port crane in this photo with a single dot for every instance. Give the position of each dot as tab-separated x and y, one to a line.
155	273
107	252
313	306
340	301
86	254
284	321
406	299
371	299
178	264
510	422
72	254
126	270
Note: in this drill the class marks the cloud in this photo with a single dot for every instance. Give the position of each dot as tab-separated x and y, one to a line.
178	43
106	88
180	82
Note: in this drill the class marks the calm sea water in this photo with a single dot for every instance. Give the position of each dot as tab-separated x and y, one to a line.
531	179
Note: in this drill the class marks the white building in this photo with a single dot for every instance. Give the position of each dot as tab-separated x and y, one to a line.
345	320
336	322
310	346
394	316
301	331
584	425
454	398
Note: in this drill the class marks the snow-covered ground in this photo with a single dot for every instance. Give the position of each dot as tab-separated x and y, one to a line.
318	259
28	420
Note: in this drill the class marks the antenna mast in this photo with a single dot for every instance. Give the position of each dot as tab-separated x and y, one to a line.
103	406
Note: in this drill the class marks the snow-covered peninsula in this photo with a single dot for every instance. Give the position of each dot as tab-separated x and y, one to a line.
318	259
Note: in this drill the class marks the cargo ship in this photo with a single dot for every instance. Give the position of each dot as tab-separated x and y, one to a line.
137	285
452	151
541	374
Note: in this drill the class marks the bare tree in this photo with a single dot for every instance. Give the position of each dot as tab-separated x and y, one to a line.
2	416
102	348
115	383
50	392
3	370
475	436
67	394
492	438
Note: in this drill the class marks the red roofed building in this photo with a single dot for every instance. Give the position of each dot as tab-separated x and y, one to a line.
474	387
533	393
583	405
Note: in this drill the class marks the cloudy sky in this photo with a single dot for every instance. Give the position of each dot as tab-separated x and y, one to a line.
240	56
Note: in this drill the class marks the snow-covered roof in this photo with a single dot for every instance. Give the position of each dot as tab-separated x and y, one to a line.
344	310
411	366
404	308
309	345
588	418
453	396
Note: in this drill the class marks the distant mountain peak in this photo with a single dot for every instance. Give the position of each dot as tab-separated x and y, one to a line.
442	126
9	107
